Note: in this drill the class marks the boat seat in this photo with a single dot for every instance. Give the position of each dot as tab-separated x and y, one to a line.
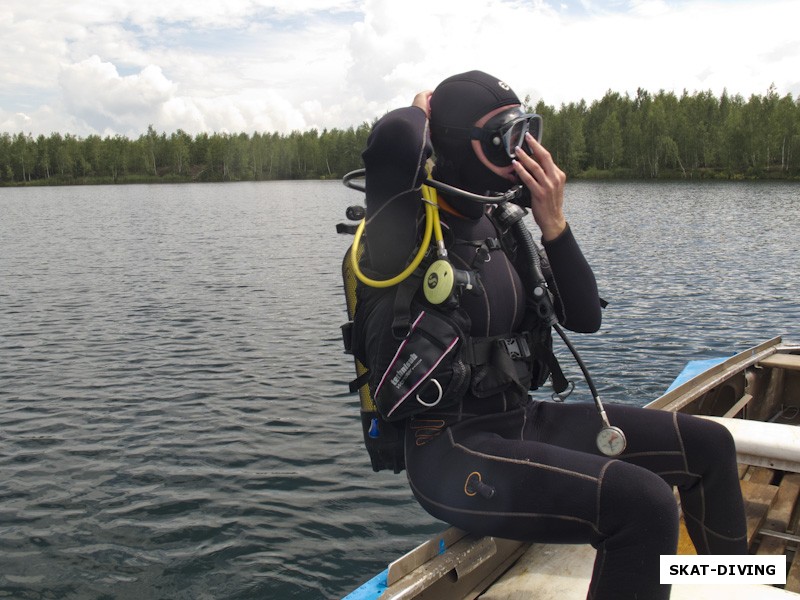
790	362
772	445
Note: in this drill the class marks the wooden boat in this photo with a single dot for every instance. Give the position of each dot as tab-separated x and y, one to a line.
755	394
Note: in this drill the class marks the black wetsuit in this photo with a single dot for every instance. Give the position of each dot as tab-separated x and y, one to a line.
531	470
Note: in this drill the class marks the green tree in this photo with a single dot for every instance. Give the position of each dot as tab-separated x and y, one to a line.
604	131
156	148
66	156
782	123
735	142
6	171
23	155
567	142
114	157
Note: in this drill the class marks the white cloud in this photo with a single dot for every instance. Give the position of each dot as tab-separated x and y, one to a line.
113	102
649	8
114	66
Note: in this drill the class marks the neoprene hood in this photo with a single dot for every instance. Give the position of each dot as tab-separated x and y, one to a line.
456	103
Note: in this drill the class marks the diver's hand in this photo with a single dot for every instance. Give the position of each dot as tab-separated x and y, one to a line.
546	182
423	101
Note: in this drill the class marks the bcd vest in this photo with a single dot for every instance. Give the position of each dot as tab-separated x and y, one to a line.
436	362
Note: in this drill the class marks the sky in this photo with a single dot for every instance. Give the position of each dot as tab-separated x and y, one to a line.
111	67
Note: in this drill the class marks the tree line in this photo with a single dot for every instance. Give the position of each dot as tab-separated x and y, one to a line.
648	136
179	157
692	136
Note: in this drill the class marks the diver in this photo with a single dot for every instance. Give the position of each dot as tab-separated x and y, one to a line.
479	452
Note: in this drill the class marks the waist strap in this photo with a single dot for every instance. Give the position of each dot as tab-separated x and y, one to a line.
479	350
521	346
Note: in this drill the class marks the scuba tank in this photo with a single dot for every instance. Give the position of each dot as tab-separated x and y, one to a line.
383	439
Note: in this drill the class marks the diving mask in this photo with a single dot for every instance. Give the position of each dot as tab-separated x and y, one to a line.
503	133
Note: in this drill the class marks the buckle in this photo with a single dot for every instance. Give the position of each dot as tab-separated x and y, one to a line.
516	347
493	244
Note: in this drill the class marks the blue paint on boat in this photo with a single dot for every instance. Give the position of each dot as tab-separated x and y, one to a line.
371	589
694	368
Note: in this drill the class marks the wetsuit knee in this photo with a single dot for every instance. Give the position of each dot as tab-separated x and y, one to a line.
713	509
707	444
638	517
637	507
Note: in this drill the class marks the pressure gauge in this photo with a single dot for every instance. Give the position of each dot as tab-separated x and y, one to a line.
611	441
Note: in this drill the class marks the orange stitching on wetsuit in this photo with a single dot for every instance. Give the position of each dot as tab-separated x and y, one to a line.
680	440
708	529
600	489
515	461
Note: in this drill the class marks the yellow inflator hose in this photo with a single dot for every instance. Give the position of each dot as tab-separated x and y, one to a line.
433	228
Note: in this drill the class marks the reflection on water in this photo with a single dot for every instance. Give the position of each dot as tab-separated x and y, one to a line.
174	415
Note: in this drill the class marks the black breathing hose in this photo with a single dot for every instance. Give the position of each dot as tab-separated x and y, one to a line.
511	216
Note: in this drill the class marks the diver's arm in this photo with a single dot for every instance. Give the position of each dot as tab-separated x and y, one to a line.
577	299
395	157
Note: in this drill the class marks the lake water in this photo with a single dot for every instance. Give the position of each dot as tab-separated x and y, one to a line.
174	414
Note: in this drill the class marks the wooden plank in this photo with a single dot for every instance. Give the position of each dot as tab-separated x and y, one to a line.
685	544
793	575
761	475
793	572
758	498
770	546
780	515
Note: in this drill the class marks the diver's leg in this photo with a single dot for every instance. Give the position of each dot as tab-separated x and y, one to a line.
696	455
710	493
483	476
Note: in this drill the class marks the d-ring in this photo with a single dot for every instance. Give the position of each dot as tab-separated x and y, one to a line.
435	402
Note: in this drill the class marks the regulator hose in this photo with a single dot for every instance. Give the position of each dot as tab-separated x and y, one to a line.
511	217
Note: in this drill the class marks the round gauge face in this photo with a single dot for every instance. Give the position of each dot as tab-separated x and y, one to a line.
611	441
439	282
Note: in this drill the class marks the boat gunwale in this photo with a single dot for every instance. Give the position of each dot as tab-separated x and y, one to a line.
688	391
